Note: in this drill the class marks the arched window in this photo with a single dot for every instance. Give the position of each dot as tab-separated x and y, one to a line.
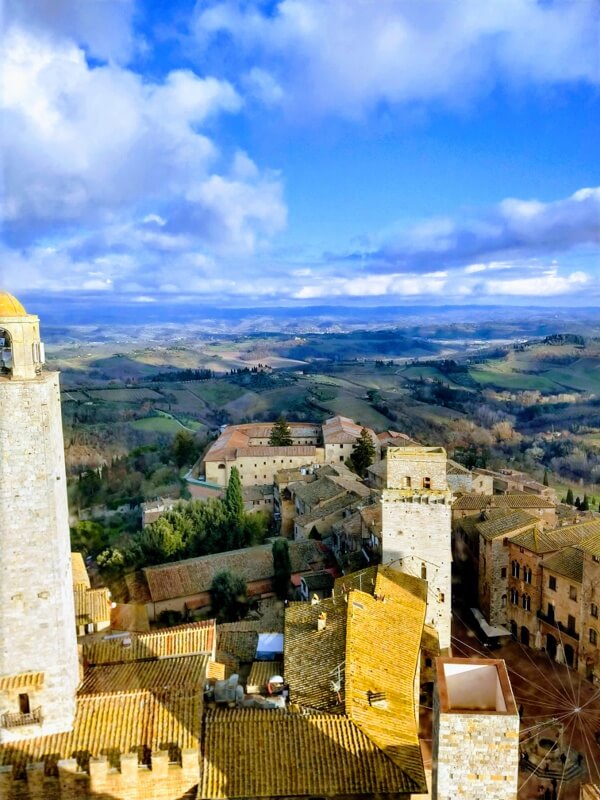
526	602
516	569
6	355
514	597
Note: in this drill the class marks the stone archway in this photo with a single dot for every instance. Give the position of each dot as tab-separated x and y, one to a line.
551	646
525	636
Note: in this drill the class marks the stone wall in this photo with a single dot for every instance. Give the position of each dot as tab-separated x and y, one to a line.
409	467
130	781
475	755
37	618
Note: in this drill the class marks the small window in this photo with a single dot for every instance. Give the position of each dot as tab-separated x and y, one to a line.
572	593
341	458
516	569
423	572
427	483
24	704
593	636
503	572
594	611
571	624
441	597
428	662
503	601
552	583
526	602
408	481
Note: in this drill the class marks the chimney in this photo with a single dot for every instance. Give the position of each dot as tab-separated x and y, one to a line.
322	621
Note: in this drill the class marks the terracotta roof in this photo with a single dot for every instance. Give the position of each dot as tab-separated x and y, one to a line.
238	643
316	755
522	500
131	617
91	605
476	502
183	640
318	580
591	542
318	491
165	673
471	502
342	430
327	509
260	674
80	575
137	587
511	521
311	657
117	723
549	541
568	562
22	680
236	437
430	640
195	575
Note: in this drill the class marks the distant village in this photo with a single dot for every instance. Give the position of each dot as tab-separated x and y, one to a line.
352	687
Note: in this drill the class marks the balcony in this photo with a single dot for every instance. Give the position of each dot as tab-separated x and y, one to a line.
17	718
559	625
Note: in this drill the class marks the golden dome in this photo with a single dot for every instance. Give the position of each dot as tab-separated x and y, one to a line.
10	306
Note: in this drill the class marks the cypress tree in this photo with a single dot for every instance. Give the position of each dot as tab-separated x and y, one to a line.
363	452
569	497
281	435
282	568
234	508
545	481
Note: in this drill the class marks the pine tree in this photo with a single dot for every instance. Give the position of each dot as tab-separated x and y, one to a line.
363	452
569	497
281	435
585	504
229	596
545	481
577	502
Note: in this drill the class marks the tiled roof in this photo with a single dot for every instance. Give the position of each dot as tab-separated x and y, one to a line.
257	492
316	491
236	437
549	541
522	500
91	605
342	430
119	722
131	617
476	502
379	468
430	640
568	562
183	640
79	572
22	680
382	655
195	575
471	502
326	509
512	521
311	657
298	755
238	643
165	673
260	674
591	541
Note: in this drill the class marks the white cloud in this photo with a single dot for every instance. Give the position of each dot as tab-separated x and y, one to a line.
346	57
549	284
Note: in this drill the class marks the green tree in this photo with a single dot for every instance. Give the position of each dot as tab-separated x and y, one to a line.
89	538
363	452
569	498
585	504
281	435
282	568
229	596
184	448
577	502
234	508
545	480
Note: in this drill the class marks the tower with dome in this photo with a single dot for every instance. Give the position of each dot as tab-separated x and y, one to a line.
39	669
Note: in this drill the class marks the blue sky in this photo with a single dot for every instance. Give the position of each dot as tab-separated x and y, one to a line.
302	151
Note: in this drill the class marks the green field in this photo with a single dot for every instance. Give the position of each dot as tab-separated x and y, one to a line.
163	425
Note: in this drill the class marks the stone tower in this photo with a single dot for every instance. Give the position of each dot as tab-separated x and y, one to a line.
475	731
39	669
416	526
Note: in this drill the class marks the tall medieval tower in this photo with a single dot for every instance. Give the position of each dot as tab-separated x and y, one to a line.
39	669
416	526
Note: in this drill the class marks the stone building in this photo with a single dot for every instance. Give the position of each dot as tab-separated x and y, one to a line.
475	731
589	650
39	670
416	526
560	614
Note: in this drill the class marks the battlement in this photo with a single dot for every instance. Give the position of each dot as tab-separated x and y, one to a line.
417	469
157	777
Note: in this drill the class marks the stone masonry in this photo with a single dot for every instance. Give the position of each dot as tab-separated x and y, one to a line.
416	526
39	669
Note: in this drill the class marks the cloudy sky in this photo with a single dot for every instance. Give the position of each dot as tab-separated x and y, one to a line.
302	151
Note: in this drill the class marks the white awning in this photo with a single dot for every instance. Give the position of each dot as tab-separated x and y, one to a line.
489	630
270	643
